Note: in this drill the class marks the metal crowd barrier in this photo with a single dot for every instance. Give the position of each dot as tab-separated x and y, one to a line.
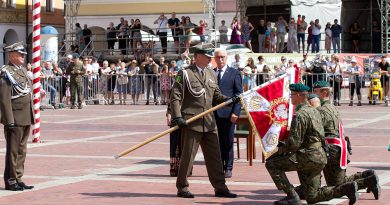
108	89
344	87
154	88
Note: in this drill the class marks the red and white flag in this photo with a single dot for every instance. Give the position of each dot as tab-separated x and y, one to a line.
342	143
270	110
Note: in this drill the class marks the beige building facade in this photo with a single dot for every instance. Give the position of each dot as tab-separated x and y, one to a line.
16	21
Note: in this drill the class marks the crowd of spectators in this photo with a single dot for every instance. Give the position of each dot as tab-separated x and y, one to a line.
113	82
271	36
302	36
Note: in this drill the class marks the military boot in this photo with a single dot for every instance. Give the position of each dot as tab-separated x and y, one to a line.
350	190
372	183
366	174
291	199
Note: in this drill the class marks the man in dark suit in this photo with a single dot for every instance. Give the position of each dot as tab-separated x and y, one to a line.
17	115
194	91
230	83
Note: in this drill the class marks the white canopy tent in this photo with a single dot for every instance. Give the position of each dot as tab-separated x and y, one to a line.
324	10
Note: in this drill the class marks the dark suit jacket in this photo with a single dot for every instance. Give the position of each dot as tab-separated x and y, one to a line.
230	85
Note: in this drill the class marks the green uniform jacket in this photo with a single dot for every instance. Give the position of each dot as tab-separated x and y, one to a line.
330	119
17	111
306	135
184	104
72	71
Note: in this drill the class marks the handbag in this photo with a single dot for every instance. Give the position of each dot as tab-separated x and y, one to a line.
338	78
238	32
123	80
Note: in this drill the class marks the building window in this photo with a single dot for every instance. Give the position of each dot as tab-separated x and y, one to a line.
49	5
8	3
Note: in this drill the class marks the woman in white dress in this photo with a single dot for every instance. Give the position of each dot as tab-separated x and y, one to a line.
292	42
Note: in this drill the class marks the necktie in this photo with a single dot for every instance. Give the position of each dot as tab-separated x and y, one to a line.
219	76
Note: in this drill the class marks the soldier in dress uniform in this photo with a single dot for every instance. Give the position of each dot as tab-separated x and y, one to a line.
303	152
76	71
194	91
17	115
335	174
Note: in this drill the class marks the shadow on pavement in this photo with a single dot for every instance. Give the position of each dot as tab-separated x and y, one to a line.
155	161
374	168
128	194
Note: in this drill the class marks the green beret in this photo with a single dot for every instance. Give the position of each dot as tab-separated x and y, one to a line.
76	55
299	87
321	84
311	96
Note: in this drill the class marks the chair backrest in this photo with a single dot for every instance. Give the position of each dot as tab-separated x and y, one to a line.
243	127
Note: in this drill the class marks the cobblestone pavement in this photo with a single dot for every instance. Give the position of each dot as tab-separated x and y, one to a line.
75	165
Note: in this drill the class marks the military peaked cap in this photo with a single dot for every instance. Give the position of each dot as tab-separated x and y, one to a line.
16	47
205	49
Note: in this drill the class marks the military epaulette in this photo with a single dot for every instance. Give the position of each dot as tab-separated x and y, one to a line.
3	69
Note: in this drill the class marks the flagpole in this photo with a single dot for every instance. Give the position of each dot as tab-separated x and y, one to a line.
36	68
125	152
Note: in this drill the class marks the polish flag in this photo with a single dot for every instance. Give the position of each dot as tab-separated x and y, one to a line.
270	110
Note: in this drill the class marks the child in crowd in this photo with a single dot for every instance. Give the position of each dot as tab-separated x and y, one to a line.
202	30
273	40
67	93
267	43
111	82
165	83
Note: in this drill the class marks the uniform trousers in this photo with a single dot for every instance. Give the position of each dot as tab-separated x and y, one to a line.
309	174
16	142
210	147
226	140
334	175
76	88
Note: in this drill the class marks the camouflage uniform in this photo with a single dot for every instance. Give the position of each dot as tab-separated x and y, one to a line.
303	152
333	173
76	82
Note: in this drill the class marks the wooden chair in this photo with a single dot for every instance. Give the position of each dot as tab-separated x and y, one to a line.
241	131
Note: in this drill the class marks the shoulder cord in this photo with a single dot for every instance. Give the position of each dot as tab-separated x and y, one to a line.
194	93
16	87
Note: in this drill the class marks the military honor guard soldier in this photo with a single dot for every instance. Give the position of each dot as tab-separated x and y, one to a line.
194	91
17	115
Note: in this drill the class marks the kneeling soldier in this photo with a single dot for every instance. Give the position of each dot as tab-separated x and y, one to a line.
303	152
